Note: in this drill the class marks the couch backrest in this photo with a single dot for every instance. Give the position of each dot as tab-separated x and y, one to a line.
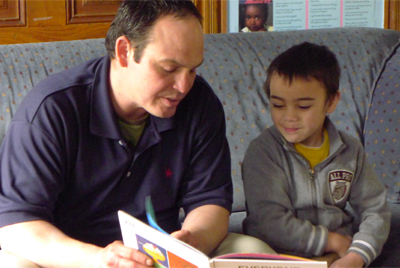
382	128
234	65
22	66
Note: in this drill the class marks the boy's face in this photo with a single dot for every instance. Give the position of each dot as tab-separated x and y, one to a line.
298	109
254	18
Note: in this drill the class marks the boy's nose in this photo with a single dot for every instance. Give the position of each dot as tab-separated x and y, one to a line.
291	114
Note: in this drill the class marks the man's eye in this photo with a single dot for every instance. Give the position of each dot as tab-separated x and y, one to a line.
169	70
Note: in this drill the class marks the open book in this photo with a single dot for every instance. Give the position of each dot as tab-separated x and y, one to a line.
169	252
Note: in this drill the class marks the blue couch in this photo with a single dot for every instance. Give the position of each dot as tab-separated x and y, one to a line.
235	66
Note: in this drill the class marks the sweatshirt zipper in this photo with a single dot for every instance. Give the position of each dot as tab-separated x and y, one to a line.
311	172
314	199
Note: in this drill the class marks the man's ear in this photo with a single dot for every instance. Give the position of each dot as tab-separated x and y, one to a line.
332	103
123	51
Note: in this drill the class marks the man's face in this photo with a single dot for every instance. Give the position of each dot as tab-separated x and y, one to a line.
254	18
167	69
298	109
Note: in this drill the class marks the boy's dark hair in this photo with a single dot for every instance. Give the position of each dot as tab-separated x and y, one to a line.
135	19
306	61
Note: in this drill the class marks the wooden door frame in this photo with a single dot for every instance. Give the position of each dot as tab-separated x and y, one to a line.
392	15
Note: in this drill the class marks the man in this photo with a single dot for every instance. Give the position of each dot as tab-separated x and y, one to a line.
104	135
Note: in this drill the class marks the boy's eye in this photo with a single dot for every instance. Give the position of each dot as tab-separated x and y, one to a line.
277	106
304	107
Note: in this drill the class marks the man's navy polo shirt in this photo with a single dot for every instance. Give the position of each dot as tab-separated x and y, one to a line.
65	160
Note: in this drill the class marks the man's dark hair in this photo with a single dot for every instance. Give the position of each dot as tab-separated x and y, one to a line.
136	18
306	61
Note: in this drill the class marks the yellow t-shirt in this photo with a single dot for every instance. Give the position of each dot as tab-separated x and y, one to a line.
314	155
132	132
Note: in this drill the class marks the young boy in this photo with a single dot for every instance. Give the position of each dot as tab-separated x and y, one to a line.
300	173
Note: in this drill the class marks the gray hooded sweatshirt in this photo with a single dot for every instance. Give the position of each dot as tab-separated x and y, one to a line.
293	207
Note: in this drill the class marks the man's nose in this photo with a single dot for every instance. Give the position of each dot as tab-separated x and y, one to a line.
184	82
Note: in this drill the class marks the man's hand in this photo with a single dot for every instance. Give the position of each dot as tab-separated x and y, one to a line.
205	227
117	255
187	237
351	260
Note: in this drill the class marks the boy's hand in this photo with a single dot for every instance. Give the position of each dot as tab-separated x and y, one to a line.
338	243
352	260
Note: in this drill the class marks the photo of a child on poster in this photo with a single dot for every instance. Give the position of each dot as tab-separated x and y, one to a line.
255	15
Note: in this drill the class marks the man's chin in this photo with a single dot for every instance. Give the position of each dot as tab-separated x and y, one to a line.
164	114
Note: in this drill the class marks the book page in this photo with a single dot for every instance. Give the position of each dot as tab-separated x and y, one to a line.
165	250
243	263
261	256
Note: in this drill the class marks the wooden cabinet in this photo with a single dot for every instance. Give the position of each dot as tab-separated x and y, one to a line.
25	21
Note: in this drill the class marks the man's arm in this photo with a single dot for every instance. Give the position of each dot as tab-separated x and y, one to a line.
204	227
45	245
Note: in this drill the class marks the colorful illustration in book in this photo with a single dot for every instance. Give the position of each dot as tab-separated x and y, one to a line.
177	262
158	254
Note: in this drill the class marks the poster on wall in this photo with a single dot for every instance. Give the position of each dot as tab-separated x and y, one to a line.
255	15
313	14
286	15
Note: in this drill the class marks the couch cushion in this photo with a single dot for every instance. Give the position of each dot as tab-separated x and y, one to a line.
382	126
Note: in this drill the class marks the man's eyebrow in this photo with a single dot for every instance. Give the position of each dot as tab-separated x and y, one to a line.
177	63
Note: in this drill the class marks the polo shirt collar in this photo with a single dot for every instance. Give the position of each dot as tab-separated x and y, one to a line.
103	120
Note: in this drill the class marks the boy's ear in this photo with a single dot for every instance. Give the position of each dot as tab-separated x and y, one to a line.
332	103
123	51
